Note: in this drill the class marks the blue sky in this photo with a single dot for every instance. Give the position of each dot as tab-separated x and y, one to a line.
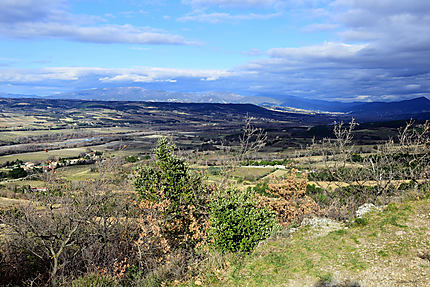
347	50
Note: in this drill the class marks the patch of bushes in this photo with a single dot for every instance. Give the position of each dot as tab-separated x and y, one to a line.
288	199
17	172
321	175
360	221
95	280
214	170
176	209
131	158
260	188
318	194
58	237
237	222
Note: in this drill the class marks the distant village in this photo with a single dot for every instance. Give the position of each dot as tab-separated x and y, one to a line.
19	169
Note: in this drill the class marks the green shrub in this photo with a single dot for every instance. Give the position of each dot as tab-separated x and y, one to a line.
95	280
17	172
359	221
237	223
260	188
318	194
131	158
356	157
214	170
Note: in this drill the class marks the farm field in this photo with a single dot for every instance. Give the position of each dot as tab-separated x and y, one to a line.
42	155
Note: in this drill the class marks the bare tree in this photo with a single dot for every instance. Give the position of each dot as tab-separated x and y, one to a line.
379	172
251	141
46	229
414	145
68	230
335	154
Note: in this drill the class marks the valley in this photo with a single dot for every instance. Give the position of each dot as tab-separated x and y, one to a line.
315	165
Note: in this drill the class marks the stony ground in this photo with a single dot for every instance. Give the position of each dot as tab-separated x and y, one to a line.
386	248
410	245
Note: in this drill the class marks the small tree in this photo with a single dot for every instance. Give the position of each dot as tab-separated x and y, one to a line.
173	200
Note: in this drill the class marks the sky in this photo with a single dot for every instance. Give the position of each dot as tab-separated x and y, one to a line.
347	50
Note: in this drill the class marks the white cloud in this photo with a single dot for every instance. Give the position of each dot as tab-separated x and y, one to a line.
413	87
328	50
140	74
233	3
217	17
42	19
127	78
93	34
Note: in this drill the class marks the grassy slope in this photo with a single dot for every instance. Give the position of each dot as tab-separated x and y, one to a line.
383	252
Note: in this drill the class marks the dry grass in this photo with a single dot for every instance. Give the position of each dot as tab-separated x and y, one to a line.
252	172
10	202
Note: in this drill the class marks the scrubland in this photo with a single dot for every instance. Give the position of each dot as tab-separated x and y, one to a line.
247	213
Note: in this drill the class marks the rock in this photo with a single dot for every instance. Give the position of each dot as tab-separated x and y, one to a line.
366	208
322	226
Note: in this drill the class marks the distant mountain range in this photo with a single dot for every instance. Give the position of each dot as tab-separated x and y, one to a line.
418	108
142	94
417	105
365	111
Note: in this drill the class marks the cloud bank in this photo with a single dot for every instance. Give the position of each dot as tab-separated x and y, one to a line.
381	52
48	19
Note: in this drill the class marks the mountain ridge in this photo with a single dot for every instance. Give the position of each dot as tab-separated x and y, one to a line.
411	108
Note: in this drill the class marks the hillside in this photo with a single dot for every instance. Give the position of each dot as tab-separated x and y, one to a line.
385	249
394	110
56	113
127	97
417	108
